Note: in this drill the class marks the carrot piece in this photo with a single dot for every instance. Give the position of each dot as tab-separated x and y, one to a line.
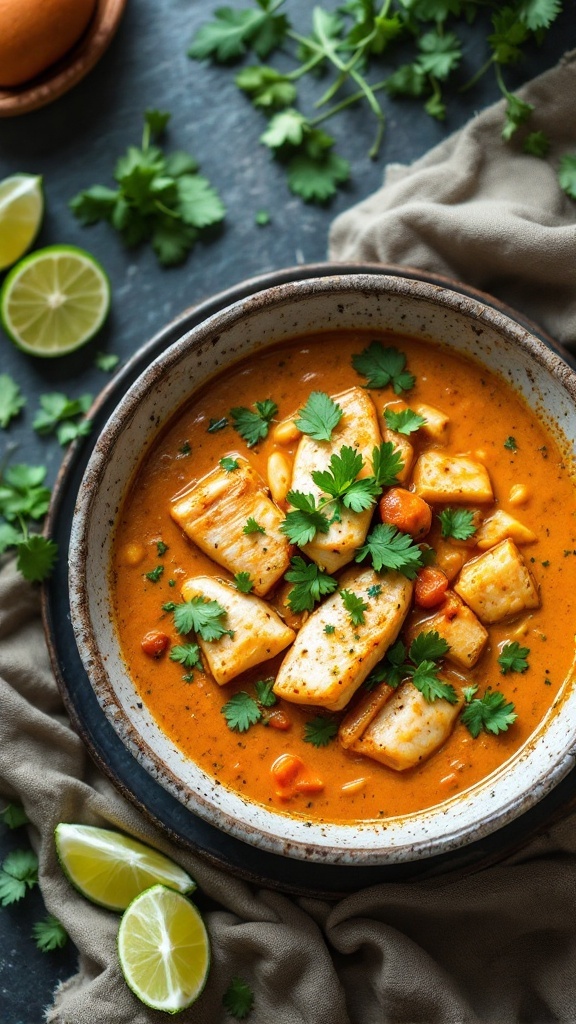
406	511
279	720
309	784
430	587
155	643
286	769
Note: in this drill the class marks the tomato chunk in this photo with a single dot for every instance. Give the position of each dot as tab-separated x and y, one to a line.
430	587
155	643
406	511
292	776
279	720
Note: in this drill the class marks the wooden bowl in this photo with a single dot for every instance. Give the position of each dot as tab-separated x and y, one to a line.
70	69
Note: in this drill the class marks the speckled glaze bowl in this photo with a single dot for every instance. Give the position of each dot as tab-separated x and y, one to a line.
465	323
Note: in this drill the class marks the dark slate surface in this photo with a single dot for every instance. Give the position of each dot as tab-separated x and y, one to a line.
73	143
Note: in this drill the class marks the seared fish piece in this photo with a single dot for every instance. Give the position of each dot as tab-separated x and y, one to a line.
358	429
500	526
326	668
498	584
457	624
258	633
406	728
214	512
451	478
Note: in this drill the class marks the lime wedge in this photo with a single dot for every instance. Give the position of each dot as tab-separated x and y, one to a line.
21	210
54	300
111	869
164	949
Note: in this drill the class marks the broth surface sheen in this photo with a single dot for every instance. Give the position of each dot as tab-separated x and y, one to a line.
484	413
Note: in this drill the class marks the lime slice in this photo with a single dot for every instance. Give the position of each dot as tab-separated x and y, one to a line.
21	210
164	949
54	300
110	868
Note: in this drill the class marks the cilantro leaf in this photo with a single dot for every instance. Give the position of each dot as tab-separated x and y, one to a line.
229	464
440	53
511	444
154	574
303	522
241	711
536	144
390	549
457	523
538	14
202	616
428	646
36	557
567	174
49	934
508	35
238	998
286	128
315	178
9	537
319	731
266	87
252	526
215	425
342	471
59	413
354	605
106	361
426	679
407	80
243	583
19	872
11	399
387	463
319	417
187	655
491	713
14	816
404	422
513	658
233	32
517	111
264	695
161	548
254	426
22	492
311	584
383	366
392	670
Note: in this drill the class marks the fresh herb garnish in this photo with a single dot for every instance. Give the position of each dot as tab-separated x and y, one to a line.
229	465
491	713
311	583
243	583
266	698
513	658
202	616
536	144
106	361
567	174
241	711
187	655
262	218
404	422
418	664
457	523
64	416
238	998
215	425
387	463
383	366
510	444
319	417
428	646
329	629
14	816
11	399
305	520
319	731
254	426
340	481
388	548
160	198
154	574
49	934
355	606
36	556
251	526
22	492
18	874
161	548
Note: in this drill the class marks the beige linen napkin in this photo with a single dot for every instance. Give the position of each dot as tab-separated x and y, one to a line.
482	211
498	946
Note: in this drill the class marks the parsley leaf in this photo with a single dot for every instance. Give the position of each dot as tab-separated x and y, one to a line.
229	464
491	713
202	616
241	711
11	399
49	934
266	698
354	605
161	548
383	366
567	174
320	731
426	679
233	32
243	583
238	998
319	417
387	463
19	872
428	646
404	422
457	523
311	583
303	523
254	426
390	549
440	53
187	655
513	658
251	526
339	480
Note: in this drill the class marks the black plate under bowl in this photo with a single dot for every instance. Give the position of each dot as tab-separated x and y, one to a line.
106	748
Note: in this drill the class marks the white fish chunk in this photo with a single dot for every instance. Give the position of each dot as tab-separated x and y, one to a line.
451	478
500	526
258	632
498	584
358	429
214	512
407	729
459	627
325	669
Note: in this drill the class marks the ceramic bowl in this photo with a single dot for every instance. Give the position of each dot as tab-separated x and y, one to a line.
467	325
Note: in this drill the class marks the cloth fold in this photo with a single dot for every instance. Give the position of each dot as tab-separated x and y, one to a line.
497	946
481	211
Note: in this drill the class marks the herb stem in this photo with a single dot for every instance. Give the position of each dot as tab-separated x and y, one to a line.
478	75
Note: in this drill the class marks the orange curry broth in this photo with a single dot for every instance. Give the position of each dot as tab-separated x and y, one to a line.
484	412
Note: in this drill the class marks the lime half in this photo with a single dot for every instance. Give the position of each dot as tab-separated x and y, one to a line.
111	869
21	211
54	300
164	949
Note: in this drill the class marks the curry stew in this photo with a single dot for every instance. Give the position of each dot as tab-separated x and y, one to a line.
345	575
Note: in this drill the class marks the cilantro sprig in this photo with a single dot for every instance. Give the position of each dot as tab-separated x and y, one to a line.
11	399
513	658
490	713
254	426
63	416
319	731
311	583
243	710
24	497
404	422
238	998
388	548
18	874
160	197
49	934
319	417
201	616
382	367
457	523
419	664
